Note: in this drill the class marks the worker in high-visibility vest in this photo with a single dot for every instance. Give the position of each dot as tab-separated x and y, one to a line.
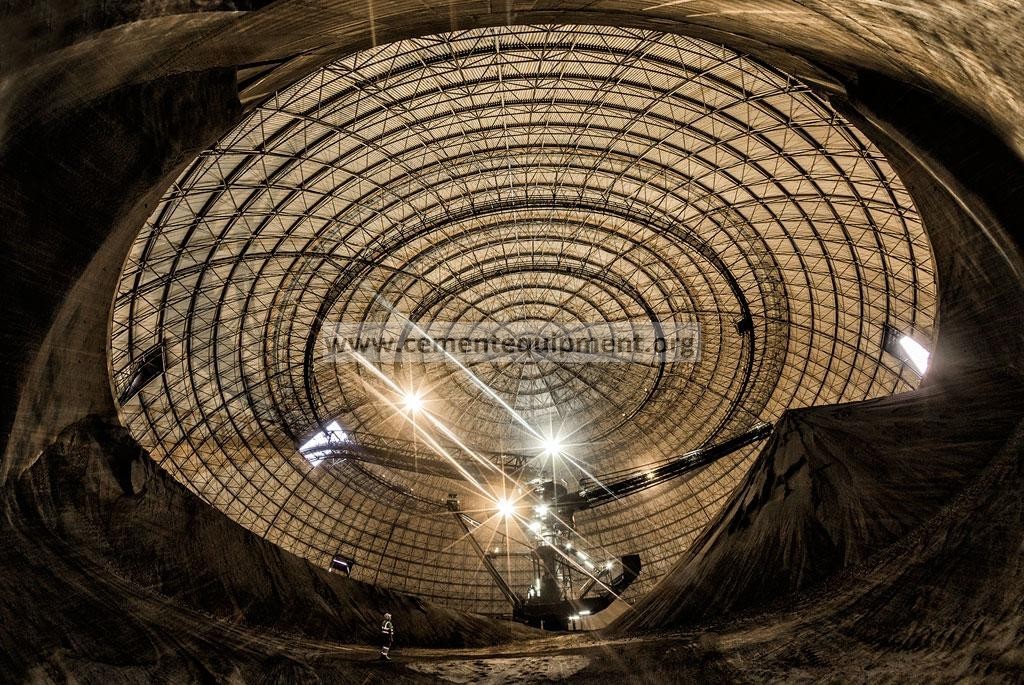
387	630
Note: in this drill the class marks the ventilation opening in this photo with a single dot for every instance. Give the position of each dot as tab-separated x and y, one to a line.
906	349
148	368
322	445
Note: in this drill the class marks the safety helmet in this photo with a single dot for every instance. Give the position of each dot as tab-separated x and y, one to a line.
387	616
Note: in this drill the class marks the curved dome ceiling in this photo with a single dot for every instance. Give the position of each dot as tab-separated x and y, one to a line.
523	184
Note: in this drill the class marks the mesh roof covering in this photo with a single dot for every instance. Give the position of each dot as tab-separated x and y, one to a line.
524	180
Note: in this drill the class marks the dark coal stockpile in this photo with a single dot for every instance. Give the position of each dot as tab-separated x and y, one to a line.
834	486
106	557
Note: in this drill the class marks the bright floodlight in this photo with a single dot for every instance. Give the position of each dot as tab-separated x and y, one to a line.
412	401
916	352
505	507
552	446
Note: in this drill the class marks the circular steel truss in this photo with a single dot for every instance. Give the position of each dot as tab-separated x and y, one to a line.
542	179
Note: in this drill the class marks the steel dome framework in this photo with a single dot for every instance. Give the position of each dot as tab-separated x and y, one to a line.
544	178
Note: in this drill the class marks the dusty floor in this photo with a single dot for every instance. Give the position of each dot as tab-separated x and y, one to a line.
941	605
